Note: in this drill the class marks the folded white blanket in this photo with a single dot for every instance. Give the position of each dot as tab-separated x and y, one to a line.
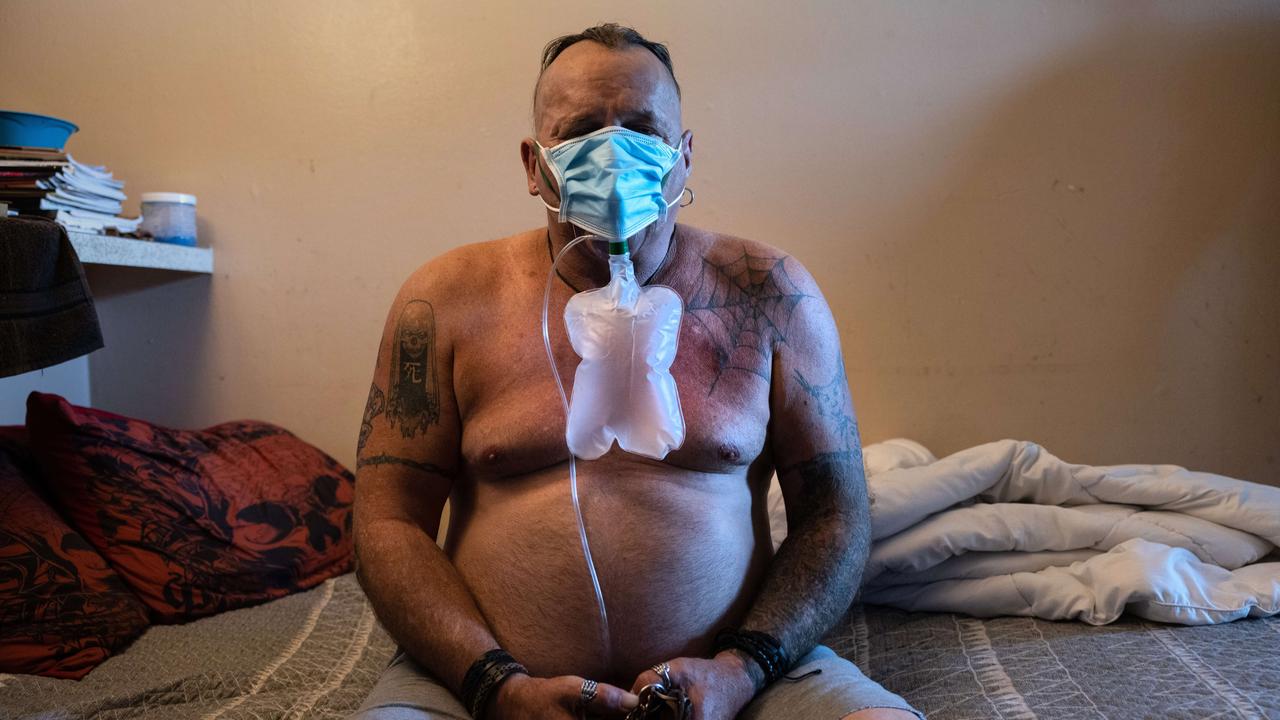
1006	528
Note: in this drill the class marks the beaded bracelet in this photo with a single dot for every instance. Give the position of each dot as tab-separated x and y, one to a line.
484	676
762	647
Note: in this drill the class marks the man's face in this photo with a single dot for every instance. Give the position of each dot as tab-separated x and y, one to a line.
590	86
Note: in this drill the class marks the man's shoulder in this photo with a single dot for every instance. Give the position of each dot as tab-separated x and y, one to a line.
732	255
466	269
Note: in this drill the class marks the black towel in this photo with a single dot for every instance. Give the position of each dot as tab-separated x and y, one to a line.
46	311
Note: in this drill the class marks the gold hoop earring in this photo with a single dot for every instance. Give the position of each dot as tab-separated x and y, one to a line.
690	191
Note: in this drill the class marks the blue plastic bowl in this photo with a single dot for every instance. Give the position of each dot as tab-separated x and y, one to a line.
35	131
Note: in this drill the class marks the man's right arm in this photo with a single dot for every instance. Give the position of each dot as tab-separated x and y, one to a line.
407	460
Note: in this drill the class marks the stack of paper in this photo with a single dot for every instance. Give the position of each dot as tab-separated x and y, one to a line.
81	197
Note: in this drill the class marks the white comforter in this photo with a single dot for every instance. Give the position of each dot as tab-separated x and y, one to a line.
1008	529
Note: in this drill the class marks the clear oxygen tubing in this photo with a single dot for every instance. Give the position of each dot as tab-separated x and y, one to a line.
573	471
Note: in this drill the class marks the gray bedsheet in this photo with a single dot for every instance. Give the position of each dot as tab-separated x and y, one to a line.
316	655
310	655
953	667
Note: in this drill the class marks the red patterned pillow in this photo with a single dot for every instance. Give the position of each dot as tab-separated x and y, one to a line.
196	522
62	609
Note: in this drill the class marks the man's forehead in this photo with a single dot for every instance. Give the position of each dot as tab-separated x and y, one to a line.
588	74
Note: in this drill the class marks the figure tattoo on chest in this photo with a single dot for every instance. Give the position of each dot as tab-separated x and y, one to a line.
745	305
414	394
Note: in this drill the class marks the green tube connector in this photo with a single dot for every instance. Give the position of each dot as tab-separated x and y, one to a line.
618	247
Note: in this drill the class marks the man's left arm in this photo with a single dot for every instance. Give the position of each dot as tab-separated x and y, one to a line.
813	435
814	440
818	455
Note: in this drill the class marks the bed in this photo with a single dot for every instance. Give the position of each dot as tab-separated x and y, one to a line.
316	654
954	667
229	593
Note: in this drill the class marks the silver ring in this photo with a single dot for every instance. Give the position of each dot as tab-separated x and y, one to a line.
690	190
663	672
588	692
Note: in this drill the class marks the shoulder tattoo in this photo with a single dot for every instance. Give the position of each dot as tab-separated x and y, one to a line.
745	305
413	400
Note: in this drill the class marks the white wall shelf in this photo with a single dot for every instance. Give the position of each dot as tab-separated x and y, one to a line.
109	250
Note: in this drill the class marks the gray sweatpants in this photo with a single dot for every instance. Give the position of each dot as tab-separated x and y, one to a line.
406	692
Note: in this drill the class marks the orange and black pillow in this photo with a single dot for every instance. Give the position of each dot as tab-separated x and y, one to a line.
63	610
196	522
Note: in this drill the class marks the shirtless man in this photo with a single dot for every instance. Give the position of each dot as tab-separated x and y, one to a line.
463	406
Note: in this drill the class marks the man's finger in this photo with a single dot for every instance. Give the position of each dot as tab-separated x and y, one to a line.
651	676
612	700
648	677
609	701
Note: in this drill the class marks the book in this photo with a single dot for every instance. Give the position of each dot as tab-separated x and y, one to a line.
10	152
33	163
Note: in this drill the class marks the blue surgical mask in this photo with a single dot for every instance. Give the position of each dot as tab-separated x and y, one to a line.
610	180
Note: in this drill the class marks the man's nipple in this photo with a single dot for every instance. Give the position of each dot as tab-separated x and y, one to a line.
492	455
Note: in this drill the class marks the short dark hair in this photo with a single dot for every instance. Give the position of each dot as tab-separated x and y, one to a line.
612	36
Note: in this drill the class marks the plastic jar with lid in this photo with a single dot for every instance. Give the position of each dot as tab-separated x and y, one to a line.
169	217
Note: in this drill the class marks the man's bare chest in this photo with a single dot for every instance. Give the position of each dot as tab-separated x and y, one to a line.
513	422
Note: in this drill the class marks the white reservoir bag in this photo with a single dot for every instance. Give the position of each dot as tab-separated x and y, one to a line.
623	390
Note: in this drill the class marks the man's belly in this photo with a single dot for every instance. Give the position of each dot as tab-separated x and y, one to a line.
679	555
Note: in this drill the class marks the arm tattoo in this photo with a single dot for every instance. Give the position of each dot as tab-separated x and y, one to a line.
746	305
835	404
372	408
818	569
414	400
393	460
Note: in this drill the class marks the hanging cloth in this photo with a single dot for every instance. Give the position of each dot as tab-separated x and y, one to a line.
46	312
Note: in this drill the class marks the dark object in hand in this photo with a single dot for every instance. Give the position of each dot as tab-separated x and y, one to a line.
659	701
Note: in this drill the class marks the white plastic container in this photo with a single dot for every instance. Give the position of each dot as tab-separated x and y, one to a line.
169	217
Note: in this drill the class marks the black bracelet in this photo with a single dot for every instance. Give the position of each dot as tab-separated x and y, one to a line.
762	647
484	676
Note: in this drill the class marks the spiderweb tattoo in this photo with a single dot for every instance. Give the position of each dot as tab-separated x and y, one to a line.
746	305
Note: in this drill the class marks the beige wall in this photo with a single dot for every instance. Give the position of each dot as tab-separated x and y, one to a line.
1057	221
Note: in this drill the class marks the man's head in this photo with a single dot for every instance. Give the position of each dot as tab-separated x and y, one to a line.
606	75
608	35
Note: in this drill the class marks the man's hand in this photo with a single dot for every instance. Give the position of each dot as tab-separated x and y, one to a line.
719	688
523	697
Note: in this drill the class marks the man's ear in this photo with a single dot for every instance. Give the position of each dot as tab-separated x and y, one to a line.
687	154
529	158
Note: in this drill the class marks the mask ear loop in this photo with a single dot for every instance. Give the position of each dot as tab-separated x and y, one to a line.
606	641
667	205
686	189
559	211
